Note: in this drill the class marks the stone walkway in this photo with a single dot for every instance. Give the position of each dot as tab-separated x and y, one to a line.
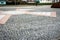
31	27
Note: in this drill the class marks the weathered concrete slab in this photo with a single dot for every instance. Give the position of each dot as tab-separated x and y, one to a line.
51	14
4	18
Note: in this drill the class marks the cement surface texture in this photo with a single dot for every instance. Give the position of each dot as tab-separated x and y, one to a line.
1	16
29	10
4	18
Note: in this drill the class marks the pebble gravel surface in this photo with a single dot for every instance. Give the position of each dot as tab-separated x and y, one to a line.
31	27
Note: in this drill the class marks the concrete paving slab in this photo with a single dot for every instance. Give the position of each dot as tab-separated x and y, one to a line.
4	18
51	14
1	16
